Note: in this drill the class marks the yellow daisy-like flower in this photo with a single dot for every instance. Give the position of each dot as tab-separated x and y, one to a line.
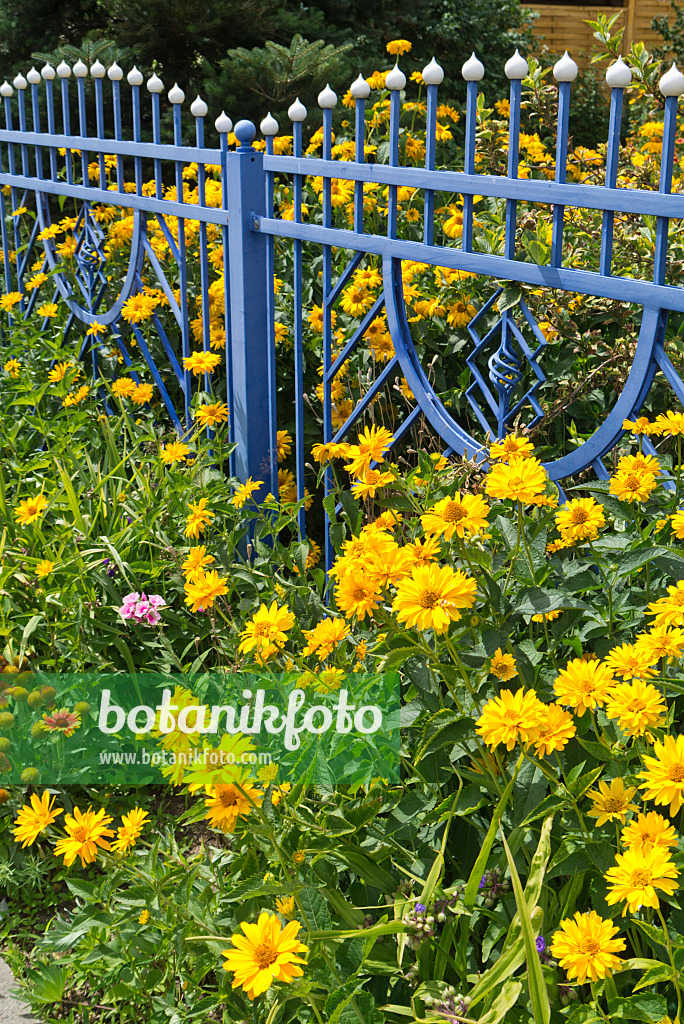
585	947
460	514
132	825
510	717
95	329
433	597
286	906
661	642
664	773
677	524
284	443
521	479
547	616
583	685
398	47
124	387
638	707
370	482
632	486
10	300
266	953
12	367
245	491
201	362
48	309
139	307
631	662
669	423
176	451
503	666
44	568
202	590
669	611
639	463
142	394
85	834
34	819
211	414
356	594
198	518
196	561
227	802
30	509
372	443
647	831
556	728
641	425
60	370
325	637
325	453
636	876
267	626
511	447
611	802
580	519
424	552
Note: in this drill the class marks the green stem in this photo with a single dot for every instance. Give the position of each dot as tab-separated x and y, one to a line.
675	972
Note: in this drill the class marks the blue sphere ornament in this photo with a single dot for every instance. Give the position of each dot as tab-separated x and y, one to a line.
245	132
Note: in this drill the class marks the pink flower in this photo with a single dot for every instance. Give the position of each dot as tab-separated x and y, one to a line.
142	608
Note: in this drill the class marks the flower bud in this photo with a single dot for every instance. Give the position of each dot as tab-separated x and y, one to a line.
30	776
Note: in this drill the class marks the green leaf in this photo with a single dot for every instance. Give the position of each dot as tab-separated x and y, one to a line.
478	871
539	997
647	1007
315	908
502	1004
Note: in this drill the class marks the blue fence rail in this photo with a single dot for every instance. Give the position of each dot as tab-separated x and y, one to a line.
233	205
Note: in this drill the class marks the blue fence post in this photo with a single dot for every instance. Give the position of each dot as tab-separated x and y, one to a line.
254	428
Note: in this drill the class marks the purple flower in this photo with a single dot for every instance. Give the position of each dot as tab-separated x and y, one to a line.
419	908
483	882
540	944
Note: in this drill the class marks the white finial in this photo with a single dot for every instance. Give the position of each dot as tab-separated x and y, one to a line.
565	69
80	69
473	69
33	76
176	94
327	99
360	89
20	82
672	82
395	79
297	111
198	108
134	77
223	123
269	125
63	70
516	67
6	89
155	84
98	70
618	75
48	72
433	74
115	74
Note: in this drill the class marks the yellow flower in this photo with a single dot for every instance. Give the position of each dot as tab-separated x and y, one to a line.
647	831
139	307
35	281
196	561
30	509
521	479
325	637
33	820
356	594
85	833
202	590
661	642
201	362
124	387
12	366
267	626
670	423
669	611
9	300
227	802
268	953
556	728
60	370
397	47
143	393
286	906
460	515
211	414
373	442
611	802
585	947
547	616
356	300
48	309
639	464
324	453
583	684
44	567
284	443
636	876
511	447
299	857
433	596
131	827
503	666
580	519
641	425
630	661
198	518
144	917
176	451
95	329
664	773
369	483
510	717
632	486
638	707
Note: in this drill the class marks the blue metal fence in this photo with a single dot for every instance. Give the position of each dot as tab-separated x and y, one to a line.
36	161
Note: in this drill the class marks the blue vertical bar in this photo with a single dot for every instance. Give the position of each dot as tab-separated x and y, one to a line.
270	272
3	223
327	320
513	161
115	75
204	252
360	90
21	101
395	115
612	156
298	325
666	163
48	75
430	157
99	121
13	192
35	108
137	137
561	170
182	264
83	128
255	399
66	124
226	296
156	138
473	72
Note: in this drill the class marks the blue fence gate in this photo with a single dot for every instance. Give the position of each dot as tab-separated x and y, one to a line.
229	220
